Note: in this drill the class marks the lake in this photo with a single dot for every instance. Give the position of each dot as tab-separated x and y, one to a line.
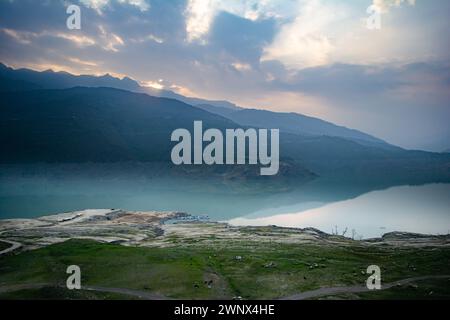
419	209
367	210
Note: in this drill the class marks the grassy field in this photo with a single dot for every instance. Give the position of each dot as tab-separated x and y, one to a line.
431	289
62	294
222	270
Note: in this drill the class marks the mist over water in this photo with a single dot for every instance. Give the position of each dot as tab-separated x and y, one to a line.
370	209
419	209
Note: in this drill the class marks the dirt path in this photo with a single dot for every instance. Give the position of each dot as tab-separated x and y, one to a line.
14	246
300	296
355	289
129	292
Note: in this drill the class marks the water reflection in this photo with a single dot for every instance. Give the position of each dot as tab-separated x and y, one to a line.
420	209
33	196
371	207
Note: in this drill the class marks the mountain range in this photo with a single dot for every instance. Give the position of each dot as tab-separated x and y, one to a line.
25	79
56	117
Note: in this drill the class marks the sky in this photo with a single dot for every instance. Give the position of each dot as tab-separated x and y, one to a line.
315	57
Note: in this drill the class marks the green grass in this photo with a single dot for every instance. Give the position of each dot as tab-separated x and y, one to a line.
430	289
181	271
57	293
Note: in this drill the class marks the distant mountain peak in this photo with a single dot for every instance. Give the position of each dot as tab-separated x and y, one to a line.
108	76
289	122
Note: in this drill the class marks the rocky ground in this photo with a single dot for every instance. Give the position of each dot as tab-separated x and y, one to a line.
176	255
162	229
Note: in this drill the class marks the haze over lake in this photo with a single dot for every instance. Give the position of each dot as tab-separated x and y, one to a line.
371	210
418	209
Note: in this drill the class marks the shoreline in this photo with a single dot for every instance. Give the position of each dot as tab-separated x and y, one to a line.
210	260
163	229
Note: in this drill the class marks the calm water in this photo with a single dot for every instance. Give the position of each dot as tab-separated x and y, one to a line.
370	210
420	209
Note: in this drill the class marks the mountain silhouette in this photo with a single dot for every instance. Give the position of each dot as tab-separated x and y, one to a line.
110	125
288	122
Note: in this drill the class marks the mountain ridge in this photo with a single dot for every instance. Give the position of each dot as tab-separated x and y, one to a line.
289	122
113	125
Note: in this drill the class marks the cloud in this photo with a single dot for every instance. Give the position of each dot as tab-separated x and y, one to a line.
107	40
241	66
86	63
26	37
141	4
95	4
158	85
99	5
148	37
185	91
80	40
338	80
305	42
23	38
324	33
384	5
200	14
111	41
310	56
406	105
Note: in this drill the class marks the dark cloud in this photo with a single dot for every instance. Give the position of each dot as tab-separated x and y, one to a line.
241	38
404	104
337	80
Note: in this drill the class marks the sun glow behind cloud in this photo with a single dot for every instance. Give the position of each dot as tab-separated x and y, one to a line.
304	42
311	56
158	85
324	32
200	14
311	33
